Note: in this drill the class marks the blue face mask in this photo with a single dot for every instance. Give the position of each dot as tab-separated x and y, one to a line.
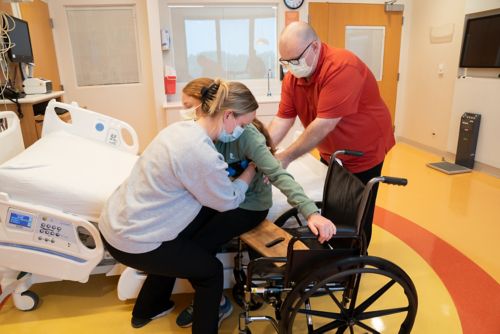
229	137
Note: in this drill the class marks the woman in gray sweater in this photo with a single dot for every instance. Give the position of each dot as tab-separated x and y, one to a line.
179	183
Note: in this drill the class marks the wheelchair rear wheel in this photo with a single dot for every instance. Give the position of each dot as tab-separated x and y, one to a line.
380	298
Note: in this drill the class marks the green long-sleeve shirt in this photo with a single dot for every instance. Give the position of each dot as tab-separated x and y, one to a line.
252	146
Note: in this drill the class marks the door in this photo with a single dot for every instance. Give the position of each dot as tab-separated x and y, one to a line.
334	21
44	54
104	55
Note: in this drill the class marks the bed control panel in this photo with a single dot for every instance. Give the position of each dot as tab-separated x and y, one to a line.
55	231
22	220
44	241
44	228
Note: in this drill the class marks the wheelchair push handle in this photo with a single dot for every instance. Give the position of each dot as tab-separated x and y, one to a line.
347	152
353	153
395	180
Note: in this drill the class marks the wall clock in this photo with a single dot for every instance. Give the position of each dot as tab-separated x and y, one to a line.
293	4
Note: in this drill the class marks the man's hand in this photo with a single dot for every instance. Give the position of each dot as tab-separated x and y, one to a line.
283	158
321	227
309	139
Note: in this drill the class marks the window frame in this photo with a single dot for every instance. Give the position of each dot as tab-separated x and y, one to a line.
179	58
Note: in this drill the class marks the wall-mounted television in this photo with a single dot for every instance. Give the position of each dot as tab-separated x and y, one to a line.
19	36
481	43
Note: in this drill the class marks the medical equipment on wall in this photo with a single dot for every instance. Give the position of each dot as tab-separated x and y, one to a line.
165	40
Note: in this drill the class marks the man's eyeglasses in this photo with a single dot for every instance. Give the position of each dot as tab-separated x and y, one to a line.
295	61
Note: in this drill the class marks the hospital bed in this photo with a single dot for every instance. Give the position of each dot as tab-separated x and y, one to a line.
51	196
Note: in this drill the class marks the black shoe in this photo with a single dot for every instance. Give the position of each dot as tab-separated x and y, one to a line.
137	322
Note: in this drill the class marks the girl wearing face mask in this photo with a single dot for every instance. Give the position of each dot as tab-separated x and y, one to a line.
240	141
152	222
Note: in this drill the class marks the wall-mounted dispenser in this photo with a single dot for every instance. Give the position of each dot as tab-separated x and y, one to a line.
165	40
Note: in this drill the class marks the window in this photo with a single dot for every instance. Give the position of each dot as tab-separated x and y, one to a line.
368	44
231	42
104	53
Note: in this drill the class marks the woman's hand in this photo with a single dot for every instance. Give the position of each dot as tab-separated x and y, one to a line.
321	227
248	173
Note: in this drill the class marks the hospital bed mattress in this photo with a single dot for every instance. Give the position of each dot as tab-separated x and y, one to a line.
66	172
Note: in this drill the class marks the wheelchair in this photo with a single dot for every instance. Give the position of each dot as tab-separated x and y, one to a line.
332	287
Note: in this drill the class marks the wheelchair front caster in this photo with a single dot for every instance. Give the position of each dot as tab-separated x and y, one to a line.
239	296
26	301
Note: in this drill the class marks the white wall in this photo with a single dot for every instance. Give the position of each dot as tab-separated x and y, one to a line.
473	6
482	96
153	12
479	95
428	102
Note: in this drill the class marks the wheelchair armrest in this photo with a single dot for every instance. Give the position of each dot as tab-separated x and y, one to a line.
302	232
293	212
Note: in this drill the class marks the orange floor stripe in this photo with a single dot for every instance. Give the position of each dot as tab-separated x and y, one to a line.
475	293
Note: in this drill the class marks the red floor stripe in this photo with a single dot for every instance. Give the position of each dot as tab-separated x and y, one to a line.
475	293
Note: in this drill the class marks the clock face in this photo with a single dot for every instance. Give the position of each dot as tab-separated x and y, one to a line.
293	4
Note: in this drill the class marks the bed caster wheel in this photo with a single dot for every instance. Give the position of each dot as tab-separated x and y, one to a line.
26	301
239	295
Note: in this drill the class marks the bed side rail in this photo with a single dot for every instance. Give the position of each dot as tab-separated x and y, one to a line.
45	241
11	137
91	125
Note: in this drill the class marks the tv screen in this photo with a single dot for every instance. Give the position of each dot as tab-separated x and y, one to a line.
21	51
481	44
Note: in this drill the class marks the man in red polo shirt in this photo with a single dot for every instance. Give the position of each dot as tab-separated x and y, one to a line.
337	99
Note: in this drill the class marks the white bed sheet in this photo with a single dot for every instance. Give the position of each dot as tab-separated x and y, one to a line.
310	173
66	172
